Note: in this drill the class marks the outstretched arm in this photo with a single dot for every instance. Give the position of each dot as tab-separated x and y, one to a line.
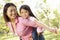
45	26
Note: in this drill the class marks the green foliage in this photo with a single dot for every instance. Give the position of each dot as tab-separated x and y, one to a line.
51	36
7	1
57	14
3	27
0	6
44	1
55	22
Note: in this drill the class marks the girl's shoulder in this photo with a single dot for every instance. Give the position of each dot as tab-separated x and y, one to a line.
32	18
20	18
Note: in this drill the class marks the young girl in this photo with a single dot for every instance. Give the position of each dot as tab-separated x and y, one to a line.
20	25
27	13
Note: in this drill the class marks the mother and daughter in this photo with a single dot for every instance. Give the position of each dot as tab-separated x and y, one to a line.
26	26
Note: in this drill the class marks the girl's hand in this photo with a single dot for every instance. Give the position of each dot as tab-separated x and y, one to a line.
53	30
58	31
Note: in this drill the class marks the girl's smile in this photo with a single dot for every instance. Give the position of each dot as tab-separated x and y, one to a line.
24	13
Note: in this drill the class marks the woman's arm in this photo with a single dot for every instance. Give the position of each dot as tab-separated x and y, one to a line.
10	27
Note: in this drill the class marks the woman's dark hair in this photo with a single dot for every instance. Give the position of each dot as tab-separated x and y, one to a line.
26	7
7	5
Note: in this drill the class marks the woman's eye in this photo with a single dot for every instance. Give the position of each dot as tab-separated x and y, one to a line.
10	11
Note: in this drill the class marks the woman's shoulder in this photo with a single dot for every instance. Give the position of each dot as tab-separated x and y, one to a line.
8	23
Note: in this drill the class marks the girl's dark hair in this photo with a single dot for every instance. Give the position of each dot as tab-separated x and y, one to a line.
7	5
26	7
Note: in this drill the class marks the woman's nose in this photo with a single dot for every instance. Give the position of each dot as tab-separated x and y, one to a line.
13	12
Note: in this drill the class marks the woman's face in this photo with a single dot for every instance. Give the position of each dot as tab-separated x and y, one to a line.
24	13
11	12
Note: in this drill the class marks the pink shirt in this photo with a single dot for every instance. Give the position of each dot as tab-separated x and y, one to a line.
23	27
39	29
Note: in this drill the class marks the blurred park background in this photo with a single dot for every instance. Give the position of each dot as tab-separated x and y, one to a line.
47	11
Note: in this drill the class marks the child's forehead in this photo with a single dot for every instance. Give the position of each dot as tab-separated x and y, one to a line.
24	10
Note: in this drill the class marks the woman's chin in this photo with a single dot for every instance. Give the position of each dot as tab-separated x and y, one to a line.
13	17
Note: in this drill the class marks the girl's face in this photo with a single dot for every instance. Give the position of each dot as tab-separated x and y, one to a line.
24	13
11	12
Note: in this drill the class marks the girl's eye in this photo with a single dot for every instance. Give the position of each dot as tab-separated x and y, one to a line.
25	11
21	12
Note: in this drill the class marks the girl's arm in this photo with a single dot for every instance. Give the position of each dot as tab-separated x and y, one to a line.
36	24
45	26
39	24
30	23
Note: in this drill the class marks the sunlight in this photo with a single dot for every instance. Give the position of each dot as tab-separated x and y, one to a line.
34	4
46	11
53	4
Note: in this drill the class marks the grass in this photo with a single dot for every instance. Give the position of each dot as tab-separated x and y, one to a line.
51	36
47	35
8	37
